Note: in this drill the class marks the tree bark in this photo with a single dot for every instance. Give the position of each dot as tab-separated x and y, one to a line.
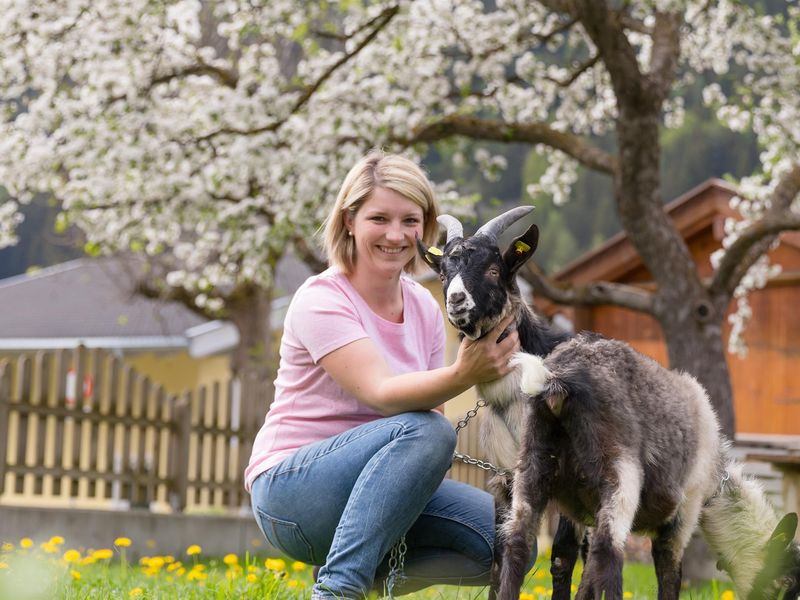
249	309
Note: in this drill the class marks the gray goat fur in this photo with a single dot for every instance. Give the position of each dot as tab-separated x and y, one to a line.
615	440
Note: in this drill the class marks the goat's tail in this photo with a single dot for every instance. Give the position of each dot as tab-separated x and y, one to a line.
743	531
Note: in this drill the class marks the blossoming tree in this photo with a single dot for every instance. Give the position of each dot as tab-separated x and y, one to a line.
180	130
560	74
209	134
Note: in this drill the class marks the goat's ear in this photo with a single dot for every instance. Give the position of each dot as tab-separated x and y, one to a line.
521	249
432	255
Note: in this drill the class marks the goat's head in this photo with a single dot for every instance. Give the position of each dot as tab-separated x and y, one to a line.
478	279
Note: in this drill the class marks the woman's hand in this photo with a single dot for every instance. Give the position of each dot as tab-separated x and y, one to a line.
486	359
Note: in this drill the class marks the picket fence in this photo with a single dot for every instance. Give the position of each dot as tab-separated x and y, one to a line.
82	429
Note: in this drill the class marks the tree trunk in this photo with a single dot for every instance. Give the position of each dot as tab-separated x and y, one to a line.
249	309
690	321
698	349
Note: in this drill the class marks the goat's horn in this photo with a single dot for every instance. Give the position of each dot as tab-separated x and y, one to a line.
453	225
494	228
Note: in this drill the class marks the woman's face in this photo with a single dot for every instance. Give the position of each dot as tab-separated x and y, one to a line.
385	228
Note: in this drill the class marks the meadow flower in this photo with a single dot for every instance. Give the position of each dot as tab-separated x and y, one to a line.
75	575
252	578
275	564
231	559
3	565
26	543
136	592
727	595
72	555
8	547
526	596
627	594
193	549
102	554
122	542
298	566
540	590
57	540
48	547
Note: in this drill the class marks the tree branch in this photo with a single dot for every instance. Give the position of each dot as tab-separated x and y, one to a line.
582	68
756	240
592	294
501	131
666	52
381	21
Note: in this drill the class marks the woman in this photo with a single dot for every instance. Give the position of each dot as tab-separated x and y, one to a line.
353	452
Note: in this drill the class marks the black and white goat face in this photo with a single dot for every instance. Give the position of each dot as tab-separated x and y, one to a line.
478	280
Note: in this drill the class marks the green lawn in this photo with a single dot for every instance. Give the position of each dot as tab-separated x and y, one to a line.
51	570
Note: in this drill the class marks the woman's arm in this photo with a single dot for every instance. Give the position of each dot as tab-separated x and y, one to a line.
361	371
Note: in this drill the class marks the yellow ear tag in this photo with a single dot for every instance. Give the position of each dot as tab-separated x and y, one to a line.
521	247
435	251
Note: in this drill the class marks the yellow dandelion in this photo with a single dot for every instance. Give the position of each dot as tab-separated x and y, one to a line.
275	564
156	562
231	574
122	542
540	574
539	590
230	559
136	592
26	543
102	554
88	560
298	566
627	594
727	595
57	540
174	566
525	596
199	567
3	565
48	548
193	549
72	555
75	575
181	572
252	569
252	578
292	583
196	575
8	547
169	559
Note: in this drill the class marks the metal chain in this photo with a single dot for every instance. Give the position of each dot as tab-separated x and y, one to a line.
466	458
397	556
397	561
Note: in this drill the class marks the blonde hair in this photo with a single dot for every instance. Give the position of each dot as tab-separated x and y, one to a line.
378	170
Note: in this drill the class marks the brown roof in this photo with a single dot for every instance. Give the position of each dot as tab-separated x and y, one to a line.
707	203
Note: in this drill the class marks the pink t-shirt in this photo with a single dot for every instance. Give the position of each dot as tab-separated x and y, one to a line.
325	314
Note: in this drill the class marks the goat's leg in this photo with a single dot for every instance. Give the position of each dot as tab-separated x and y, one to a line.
667	562
566	544
670	544
602	577
529	499
500	487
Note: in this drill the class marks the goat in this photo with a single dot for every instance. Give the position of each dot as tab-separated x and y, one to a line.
618	442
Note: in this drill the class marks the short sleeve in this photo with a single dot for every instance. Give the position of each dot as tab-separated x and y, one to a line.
323	319
439	342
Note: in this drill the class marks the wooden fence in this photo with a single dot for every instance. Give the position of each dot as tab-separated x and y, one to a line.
81	429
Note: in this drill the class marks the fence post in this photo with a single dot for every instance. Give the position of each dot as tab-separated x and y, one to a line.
180	458
4	399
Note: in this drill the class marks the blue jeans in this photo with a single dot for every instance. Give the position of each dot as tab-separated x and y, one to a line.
343	502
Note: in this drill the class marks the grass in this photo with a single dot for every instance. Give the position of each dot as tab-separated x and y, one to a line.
51	570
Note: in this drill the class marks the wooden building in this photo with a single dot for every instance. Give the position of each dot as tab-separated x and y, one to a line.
766	383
